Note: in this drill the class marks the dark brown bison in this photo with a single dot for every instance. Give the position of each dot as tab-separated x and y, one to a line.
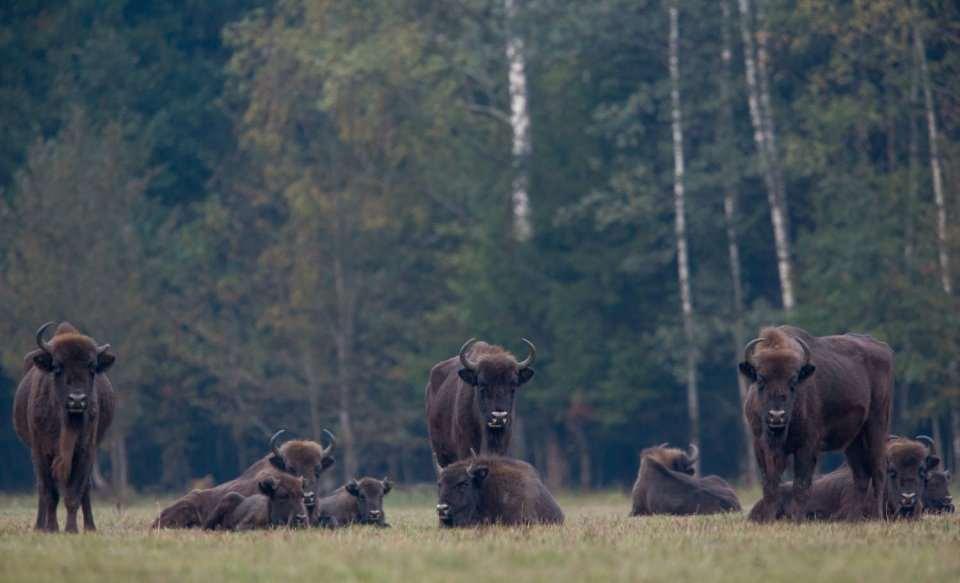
358	502
810	394
470	400
936	496
906	462
279	503
300	458
494	490
666	485
62	410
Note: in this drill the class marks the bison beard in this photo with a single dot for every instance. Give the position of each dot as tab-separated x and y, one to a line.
494	490
62	410
811	394
470	400
666	485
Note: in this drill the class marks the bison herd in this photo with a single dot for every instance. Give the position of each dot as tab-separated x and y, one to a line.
807	395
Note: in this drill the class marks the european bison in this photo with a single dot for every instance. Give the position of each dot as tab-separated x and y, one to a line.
810	394
62	410
494	490
279	503
358	502
906	462
470	400
299	458
666	485
936	496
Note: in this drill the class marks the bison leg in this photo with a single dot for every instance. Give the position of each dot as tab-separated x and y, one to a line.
856	501
72	502
804	464
48	498
88	524
227	505
771	466
876	441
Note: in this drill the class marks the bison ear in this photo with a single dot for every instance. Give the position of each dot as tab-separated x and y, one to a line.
479	473
43	360
278	462
327	462
268	486
387	485
468	376
805	372
352	488
932	461
524	375
105	358
747	370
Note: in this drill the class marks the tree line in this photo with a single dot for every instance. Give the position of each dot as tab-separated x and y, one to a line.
281	214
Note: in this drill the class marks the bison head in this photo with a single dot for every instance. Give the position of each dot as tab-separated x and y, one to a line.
461	487
369	493
286	505
906	475
776	373
74	360
496	375
673	458
303	458
936	495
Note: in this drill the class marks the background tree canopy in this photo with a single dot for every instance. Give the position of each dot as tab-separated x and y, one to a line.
281	214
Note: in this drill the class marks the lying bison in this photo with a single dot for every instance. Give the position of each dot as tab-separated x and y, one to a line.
470	400
906	463
62	410
810	394
666	485
300	458
279	503
358	502
936	496
494	490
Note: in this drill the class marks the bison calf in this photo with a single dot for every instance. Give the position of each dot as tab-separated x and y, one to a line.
279	504
494	490
358	502
936	496
666	485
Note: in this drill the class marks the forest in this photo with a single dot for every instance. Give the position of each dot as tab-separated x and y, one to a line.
281	214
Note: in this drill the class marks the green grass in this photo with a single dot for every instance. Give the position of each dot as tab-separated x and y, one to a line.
597	543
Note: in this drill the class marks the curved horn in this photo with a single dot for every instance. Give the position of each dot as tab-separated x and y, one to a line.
927	441
463	354
664	444
694	453
749	348
333	442
806	350
274	440
893	436
531	355
44	346
473	452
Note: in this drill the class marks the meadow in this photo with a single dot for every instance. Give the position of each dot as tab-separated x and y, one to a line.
597	543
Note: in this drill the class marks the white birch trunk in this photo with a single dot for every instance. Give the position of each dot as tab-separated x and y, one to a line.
520	122
683	265
761	117
730	196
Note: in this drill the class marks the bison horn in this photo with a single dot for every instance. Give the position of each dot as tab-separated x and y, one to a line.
927	441
531	355
463	354
44	346
806	350
275	440
750	347
333	442
694	454
473	452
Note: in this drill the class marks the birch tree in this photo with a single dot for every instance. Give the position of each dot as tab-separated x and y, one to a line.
520	124
680	230
755	59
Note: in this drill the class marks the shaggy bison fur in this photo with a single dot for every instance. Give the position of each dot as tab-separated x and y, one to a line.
357	502
666	485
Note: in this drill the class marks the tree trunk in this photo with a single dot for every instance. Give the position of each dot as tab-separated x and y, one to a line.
556	462
764	134
520	122
680	225
313	391
343	340
118	468
731	178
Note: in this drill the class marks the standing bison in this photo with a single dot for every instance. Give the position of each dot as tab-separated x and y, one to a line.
494	490
810	394
666	485
279	503
358	502
62	410
470	400
300	458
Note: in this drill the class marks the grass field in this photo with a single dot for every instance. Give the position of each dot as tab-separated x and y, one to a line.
597	543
